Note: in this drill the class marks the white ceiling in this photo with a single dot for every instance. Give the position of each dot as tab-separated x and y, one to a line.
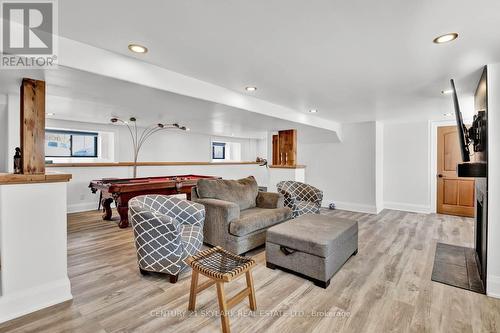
352	60
81	96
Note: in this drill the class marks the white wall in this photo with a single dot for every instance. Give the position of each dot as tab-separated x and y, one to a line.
80	197
345	171
164	146
276	175
262	148
493	274
379	166
173	146
33	248
406	166
3	139
13	128
168	145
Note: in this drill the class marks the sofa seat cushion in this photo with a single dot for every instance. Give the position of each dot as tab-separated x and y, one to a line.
255	219
242	192
307	207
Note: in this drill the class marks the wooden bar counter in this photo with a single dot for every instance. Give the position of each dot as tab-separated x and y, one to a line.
11	178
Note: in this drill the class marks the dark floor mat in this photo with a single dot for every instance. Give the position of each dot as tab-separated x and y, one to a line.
456	266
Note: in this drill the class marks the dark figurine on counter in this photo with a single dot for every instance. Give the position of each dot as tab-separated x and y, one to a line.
17	161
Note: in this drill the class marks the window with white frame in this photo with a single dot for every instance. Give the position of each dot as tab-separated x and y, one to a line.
78	146
62	143
226	151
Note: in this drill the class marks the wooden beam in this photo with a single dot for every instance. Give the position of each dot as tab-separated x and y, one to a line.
33	126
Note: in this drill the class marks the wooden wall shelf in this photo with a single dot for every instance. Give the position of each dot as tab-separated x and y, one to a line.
287	166
129	164
11	178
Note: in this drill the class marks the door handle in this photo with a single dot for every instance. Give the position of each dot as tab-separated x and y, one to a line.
440	176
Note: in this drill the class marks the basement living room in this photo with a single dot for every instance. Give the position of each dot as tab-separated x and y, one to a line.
249	167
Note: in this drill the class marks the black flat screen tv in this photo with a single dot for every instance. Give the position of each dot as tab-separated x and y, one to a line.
463	137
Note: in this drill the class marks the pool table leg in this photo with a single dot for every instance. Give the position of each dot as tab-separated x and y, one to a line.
106	208
123	211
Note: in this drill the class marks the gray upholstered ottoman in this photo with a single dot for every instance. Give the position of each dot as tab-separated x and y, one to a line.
313	246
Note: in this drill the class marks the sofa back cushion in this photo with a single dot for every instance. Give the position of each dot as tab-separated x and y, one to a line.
242	192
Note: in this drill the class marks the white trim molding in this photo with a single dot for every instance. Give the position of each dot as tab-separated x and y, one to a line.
407	207
34	299
82	207
354	207
493	255
493	286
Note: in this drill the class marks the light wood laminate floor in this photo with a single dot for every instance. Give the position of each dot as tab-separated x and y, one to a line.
385	288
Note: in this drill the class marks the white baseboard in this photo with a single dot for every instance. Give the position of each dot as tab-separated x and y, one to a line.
493	286
408	207
82	207
353	207
34	299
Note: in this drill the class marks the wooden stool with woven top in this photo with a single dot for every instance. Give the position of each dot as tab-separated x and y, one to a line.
221	266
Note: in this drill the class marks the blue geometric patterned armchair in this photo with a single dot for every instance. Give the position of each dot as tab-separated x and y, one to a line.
167	230
301	198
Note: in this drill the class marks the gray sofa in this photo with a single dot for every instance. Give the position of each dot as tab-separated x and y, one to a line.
237	213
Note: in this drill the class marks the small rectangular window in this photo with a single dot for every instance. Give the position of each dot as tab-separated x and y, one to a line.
60	143
226	151
218	151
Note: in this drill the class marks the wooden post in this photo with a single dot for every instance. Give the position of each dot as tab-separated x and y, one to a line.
288	147
276	150
33	126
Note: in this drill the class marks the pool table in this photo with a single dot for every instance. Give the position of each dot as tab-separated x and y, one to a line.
121	190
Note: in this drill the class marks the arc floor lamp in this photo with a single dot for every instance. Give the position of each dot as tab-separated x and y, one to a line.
139	137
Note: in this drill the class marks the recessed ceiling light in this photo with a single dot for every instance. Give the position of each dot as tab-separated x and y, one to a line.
313	111
446	38
250	88
50	114
188	129
446	92
136	48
